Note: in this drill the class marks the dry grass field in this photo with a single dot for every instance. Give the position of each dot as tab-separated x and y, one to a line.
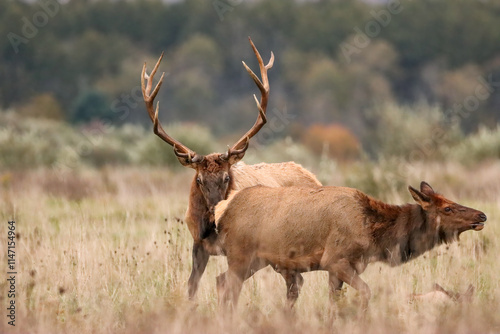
106	251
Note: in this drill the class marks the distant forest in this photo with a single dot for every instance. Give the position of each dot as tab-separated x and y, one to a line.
335	60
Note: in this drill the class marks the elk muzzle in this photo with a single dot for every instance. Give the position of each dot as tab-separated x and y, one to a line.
479	224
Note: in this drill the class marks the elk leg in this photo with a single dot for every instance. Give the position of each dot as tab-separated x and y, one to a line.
335	287
200	260
344	272
229	284
221	286
294	282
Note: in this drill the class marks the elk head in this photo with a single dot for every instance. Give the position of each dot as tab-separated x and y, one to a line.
213	177
450	218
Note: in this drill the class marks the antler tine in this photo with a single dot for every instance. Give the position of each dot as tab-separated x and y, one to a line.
263	68
146	84
242	144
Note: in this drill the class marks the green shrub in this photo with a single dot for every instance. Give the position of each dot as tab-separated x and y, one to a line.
26	142
483	145
413	133
91	106
151	150
107	154
381	179
280	151
44	105
32	143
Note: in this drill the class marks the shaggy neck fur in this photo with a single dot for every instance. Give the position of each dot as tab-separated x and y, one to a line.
401	232
201	224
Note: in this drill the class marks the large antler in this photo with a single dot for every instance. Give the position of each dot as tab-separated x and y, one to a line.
187	156
242	144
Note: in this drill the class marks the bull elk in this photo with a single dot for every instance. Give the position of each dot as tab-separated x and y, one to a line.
219	173
340	230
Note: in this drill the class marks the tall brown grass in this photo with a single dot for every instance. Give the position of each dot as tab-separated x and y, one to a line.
105	251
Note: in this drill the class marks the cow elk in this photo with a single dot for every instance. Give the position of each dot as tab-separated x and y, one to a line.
219	173
340	230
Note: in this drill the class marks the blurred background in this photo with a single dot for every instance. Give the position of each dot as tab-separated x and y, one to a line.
353	81
374	95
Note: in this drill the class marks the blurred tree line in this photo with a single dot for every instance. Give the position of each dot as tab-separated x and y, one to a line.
335	60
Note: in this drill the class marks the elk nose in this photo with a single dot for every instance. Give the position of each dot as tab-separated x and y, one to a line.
483	217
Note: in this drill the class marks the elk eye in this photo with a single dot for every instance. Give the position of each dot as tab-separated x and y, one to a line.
447	209
226	179
198	180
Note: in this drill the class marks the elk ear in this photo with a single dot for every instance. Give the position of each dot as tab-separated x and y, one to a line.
422	199
187	161
426	188
234	158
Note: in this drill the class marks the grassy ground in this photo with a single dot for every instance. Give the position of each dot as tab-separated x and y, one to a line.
105	252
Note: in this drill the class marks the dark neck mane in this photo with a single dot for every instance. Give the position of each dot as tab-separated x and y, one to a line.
203	226
197	210
400	232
